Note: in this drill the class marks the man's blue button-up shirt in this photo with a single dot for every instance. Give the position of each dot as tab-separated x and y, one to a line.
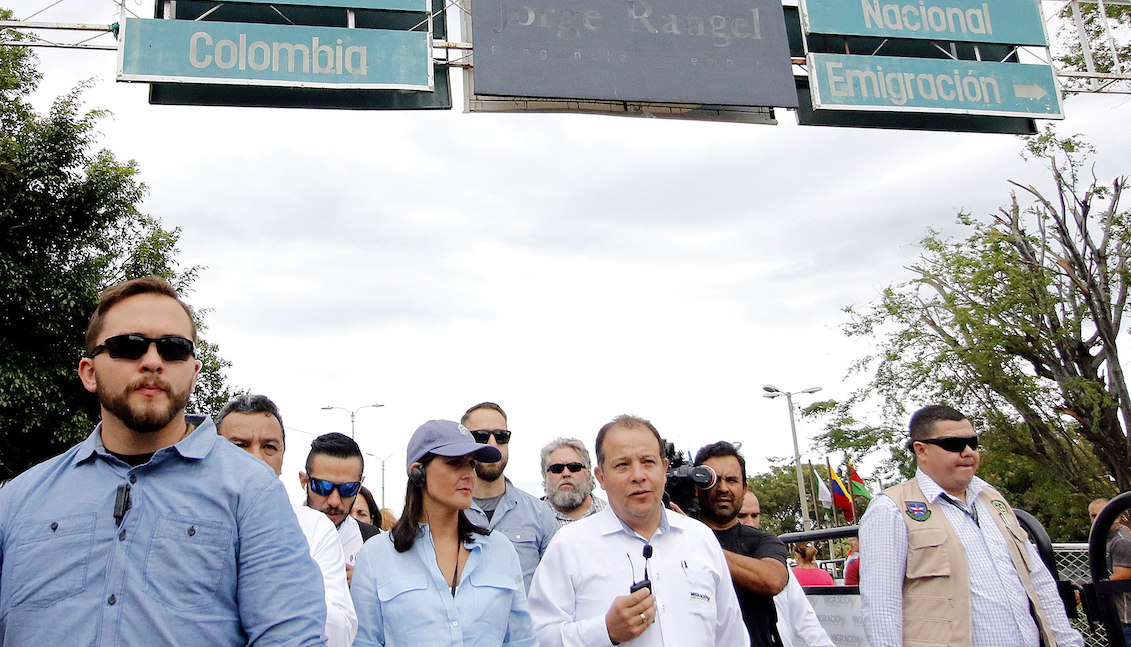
209	552
525	521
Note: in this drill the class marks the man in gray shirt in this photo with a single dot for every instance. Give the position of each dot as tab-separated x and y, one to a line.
496	503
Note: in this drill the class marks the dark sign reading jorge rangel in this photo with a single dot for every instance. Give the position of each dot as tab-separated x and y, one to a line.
725	52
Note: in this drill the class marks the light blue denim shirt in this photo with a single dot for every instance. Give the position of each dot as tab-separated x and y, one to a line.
403	600
525	521
209	553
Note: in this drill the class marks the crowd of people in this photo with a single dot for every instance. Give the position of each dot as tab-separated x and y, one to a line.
168	528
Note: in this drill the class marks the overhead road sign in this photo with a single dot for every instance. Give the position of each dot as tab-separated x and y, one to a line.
718	52
196	94
396	5
933	85
274	55
807	116
1016	22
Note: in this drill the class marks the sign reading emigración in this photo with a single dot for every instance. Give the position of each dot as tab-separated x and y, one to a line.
400	5
725	52
1016	22
274	55
933	85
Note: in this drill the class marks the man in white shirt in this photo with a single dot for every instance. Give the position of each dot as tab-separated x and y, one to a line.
796	618
253	423
681	591
332	480
948	535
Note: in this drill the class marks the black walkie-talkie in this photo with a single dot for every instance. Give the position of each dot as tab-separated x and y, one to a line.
644	583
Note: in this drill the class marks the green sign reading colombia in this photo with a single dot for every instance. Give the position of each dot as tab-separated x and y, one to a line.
1012	22
274	55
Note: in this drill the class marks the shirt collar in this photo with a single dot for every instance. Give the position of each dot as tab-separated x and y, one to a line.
933	492
609	523
477	541
194	446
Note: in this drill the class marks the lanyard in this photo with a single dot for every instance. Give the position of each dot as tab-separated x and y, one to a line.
971	511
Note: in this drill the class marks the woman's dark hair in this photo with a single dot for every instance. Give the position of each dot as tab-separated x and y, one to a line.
374	511
404	531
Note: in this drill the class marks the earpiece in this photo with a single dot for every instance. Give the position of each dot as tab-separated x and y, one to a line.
417	477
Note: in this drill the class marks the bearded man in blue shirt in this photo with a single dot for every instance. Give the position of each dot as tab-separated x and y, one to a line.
154	530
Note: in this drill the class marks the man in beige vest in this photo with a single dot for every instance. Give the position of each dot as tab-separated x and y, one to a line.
943	559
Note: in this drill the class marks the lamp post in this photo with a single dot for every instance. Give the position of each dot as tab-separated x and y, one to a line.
353	413
382	461
773	392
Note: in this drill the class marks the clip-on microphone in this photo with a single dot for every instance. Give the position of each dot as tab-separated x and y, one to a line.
644	583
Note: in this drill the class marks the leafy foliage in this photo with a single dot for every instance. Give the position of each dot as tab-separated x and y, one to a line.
71	228
778	497
1106	40
1017	327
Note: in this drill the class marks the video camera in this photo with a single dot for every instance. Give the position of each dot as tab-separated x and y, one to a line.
684	480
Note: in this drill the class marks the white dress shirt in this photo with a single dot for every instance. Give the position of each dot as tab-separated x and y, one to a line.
350	535
595	559
326	549
796	618
999	606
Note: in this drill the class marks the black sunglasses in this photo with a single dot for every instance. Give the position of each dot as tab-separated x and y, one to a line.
953	443
322	487
558	468
502	436
171	347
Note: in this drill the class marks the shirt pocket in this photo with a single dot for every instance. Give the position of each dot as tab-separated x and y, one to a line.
493	595
927	553
408	611
701	587
46	561
525	542
186	560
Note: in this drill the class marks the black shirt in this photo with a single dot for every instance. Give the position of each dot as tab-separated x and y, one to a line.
758	611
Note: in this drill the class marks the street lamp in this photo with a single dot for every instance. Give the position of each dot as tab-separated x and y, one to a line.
353	413
773	392
382	460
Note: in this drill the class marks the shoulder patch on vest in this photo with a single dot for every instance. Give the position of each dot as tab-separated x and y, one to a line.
918	511
1000	506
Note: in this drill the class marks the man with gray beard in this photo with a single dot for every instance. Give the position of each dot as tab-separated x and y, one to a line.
568	480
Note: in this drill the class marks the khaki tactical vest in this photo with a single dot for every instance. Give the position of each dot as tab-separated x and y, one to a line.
936	586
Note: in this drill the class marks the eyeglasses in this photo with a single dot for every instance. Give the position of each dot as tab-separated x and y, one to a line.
171	347
558	468
322	487
502	436
953	443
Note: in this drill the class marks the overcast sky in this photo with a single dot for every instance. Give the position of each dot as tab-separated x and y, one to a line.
569	267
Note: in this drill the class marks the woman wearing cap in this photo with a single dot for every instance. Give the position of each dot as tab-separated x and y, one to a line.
435	578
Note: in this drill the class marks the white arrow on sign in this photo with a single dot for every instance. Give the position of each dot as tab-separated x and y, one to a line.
1030	91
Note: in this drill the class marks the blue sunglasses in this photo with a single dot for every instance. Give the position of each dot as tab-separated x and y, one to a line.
322	487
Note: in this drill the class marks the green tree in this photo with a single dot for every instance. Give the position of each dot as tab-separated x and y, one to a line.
71	227
1089	42
1017	326
778	497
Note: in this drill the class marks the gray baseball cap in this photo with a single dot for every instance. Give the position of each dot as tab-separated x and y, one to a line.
447	438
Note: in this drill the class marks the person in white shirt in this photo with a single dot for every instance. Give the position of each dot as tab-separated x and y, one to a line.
681	590
253	423
332	480
797	622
